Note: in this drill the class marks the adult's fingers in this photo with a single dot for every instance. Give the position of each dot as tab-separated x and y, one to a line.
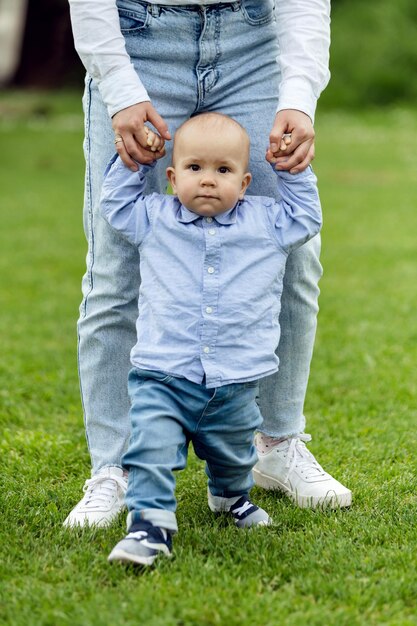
159	123
298	161
290	122
129	125
136	152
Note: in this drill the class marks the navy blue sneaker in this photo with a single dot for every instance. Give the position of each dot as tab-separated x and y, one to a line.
244	512
142	545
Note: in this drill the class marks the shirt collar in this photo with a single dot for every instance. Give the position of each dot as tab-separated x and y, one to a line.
185	216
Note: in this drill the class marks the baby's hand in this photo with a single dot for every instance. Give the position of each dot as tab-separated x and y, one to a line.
155	142
270	156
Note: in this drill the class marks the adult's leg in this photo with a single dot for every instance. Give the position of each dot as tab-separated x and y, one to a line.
106	330
110	285
282	396
106	326
162	46
239	76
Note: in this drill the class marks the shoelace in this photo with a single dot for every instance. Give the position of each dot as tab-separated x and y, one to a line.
298	456
100	489
139	534
242	508
145	530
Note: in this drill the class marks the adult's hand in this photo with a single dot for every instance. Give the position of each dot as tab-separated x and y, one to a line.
294	153
131	136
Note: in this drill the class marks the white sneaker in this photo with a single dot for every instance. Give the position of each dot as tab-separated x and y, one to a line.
103	500
289	466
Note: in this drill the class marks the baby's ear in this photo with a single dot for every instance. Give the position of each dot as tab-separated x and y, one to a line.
170	172
246	180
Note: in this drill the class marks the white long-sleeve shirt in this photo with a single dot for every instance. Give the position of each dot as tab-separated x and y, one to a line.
303	31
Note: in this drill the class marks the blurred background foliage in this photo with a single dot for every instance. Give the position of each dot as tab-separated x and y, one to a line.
373	52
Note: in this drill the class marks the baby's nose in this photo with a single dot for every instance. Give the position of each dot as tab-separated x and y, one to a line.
207	179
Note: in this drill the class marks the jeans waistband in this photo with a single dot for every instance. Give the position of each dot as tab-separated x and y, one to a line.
155	9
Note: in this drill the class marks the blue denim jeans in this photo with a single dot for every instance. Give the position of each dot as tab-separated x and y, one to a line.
222	58
166	414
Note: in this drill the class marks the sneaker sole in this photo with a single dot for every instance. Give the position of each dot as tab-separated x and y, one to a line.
125	557
122	556
85	522
331	500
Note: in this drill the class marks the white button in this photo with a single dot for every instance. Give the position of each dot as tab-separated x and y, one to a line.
210	270
206	349
212	231
209	309
209	219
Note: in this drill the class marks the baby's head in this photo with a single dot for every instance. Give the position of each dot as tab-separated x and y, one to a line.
209	164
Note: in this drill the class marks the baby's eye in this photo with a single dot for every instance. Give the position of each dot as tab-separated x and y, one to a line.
224	169
194	167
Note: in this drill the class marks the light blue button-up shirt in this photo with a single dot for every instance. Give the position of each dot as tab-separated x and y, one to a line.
209	300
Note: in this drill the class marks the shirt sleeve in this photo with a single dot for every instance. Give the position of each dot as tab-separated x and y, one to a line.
297	217
123	203
101	47
304	42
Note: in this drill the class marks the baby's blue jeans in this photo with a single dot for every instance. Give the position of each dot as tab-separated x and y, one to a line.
166	414
220	58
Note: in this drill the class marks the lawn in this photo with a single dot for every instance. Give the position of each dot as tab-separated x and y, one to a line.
344	568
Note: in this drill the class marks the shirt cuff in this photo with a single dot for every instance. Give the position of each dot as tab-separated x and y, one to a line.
296	93
122	89
307	173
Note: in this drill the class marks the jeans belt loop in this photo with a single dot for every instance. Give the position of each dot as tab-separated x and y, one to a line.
154	9
236	6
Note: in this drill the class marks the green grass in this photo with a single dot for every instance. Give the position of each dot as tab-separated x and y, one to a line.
343	568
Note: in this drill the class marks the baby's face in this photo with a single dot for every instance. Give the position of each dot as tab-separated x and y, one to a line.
209	173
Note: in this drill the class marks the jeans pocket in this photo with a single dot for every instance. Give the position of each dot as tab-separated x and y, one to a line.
257	12
133	16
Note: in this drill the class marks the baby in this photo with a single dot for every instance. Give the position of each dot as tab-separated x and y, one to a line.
212	262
